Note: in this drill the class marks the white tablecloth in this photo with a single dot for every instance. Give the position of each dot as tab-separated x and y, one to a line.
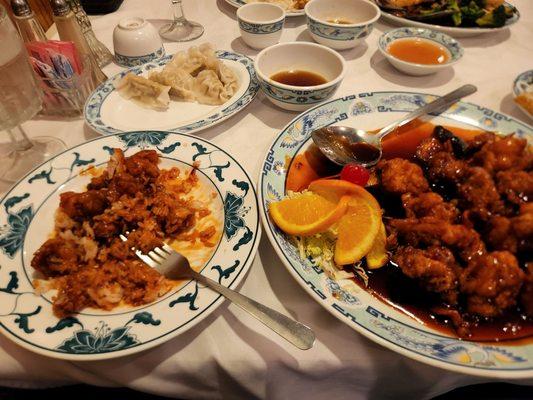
229	354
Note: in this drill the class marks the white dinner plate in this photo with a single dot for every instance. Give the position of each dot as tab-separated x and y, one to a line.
27	219
240	3
523	83
450	30
361	311
108	112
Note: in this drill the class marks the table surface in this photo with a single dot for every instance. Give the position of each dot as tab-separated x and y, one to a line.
229	354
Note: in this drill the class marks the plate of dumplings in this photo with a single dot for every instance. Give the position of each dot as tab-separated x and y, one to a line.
187	92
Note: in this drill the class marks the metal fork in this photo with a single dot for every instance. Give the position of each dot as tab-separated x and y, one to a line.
174	265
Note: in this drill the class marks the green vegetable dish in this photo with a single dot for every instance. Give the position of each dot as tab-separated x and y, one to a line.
458	13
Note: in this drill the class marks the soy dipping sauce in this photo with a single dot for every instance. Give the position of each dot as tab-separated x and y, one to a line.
299	78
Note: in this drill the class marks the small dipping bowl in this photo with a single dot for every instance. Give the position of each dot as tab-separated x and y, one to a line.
299	56
341	24
261	24
452	47
136	42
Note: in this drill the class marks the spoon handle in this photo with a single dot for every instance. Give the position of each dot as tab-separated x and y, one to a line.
444	101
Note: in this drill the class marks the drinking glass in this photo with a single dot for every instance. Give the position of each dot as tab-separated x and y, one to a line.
181	29
20	100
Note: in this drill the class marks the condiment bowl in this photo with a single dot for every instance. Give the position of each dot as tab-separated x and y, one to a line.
261	24
299	56
136	42
453	47
356	19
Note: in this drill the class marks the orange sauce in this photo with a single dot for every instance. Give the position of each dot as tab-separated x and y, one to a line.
419	51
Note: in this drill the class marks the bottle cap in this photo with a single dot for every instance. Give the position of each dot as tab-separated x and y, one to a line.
20	8
59	7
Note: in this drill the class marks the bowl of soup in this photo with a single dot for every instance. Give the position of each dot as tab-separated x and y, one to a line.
298	75
340	24
418	51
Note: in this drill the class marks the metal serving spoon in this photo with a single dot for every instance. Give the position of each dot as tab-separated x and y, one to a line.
344	145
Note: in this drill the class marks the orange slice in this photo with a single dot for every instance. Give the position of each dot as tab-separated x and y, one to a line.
338	188
308	213
377	256
357	230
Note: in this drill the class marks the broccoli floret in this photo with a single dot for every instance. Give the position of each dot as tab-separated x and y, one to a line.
456	16
493	19
471	12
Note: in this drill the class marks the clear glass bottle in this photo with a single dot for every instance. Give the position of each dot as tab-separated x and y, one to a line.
101	53
69	29
29	28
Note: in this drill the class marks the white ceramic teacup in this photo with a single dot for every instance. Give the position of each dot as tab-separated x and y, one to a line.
341	24
261	24
136	42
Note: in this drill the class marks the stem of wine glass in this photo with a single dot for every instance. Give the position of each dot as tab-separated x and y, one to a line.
20	139
179	16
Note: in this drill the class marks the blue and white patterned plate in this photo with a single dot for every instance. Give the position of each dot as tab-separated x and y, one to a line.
523	83
240	3
361	311
108	113
26	220
450	30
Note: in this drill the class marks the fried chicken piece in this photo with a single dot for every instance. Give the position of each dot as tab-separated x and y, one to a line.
429	204
400	176
492	283
428	148
443	166
437	153
83	205
57	257
435	269
513	234
435	232
479	191
502	153
499	234
143	164
515	186
526	297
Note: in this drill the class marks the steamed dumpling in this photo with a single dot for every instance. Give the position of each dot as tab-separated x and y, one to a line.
193	75
229	80
209	89
181	83
144	91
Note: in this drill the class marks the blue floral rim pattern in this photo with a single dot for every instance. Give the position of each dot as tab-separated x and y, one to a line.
27	317
129	61
299	96
93	105
338	33
453	46
360	310
261	29
523	82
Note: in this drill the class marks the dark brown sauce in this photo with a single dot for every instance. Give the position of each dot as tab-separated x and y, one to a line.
364	152
298	78
389	285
